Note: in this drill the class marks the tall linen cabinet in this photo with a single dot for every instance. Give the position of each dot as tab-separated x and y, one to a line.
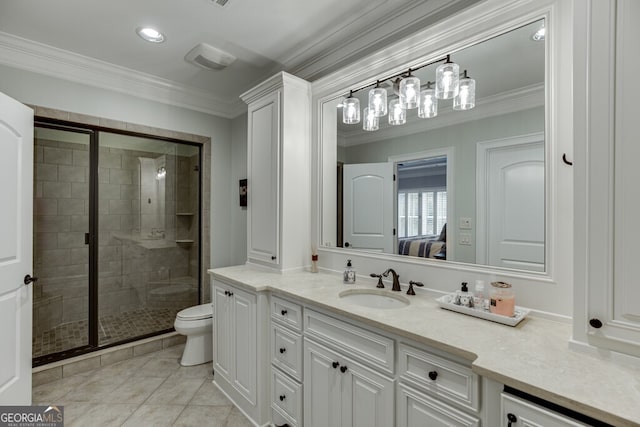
278	173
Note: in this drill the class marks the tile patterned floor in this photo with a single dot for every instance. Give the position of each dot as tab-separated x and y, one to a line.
112	328
151	390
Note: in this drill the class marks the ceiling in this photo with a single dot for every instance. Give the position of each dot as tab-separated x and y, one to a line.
308	39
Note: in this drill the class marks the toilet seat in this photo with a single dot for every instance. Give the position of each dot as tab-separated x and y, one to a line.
203	311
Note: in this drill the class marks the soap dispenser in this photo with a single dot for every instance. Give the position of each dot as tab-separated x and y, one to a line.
464	297
349	274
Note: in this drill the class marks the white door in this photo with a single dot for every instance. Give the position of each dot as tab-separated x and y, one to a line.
368	206
16	247
243	330
511	203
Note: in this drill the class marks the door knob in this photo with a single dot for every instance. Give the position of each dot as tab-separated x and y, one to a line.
596	323
335	365
343	369
28	279
433	375
512	419
346	244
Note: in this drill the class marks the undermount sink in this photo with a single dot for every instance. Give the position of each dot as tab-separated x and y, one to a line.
374	298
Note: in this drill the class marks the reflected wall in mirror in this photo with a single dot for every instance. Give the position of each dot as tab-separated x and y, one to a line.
470	185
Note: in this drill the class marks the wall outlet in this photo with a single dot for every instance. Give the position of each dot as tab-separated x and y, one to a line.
464	239
465	223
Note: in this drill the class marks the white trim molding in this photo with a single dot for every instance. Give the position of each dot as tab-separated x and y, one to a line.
39	58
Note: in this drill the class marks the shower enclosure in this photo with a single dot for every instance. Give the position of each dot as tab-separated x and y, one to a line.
117	242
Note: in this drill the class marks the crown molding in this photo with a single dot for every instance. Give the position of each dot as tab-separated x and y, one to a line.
496	105
39	58
395	23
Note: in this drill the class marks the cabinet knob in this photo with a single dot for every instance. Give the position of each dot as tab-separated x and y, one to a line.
282	397
273	257
226	293
512	419
346	244
335	365
343	369
433	375
595	323
230	294
283	312
282	350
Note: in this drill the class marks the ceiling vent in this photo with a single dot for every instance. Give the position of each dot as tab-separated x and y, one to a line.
221	3
209	57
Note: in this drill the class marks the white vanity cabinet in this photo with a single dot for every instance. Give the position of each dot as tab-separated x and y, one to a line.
435	391
286	362
517	413
347	379
607	313
278	156
338	391
237	335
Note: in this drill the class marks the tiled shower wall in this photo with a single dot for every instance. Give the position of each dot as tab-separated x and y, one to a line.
61	219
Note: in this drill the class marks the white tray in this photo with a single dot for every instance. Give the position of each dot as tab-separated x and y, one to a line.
445	302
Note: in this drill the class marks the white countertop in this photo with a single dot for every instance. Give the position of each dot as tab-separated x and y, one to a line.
533	357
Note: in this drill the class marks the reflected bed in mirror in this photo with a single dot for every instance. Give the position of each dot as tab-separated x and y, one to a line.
465	186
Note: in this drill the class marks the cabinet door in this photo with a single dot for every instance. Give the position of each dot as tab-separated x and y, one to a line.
419	410
263	225
222	333
243	322
322	386
611	198
367	397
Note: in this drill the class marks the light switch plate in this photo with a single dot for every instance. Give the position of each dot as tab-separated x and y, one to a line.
464	239
465	223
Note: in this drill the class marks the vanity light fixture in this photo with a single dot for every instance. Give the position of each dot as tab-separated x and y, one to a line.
150	34
411	95
428	107
378	100
447	76
409	92
466	97
397	114
371	122
351	110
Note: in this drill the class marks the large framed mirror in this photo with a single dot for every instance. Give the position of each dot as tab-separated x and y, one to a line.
467	186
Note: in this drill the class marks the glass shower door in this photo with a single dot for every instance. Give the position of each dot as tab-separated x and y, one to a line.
60	249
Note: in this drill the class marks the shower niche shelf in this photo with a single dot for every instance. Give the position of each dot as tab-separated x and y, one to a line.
184	232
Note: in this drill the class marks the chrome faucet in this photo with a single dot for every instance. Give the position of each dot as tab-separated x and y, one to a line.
396	282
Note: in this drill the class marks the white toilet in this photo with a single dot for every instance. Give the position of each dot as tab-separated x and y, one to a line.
197	324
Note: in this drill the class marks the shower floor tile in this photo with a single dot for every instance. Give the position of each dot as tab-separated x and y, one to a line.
111	329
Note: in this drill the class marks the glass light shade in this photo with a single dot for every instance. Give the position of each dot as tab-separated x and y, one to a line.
351	111
428	107
378	101
447	76
409	92
371	122
466	98
397	114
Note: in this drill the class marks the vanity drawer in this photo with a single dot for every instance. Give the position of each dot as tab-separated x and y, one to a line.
438	376
286	313
370	348
415	408
286	397
286	350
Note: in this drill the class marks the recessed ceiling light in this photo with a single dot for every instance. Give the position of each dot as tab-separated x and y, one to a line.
150	34
539	35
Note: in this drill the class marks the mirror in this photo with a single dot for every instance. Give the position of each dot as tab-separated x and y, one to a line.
470	185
